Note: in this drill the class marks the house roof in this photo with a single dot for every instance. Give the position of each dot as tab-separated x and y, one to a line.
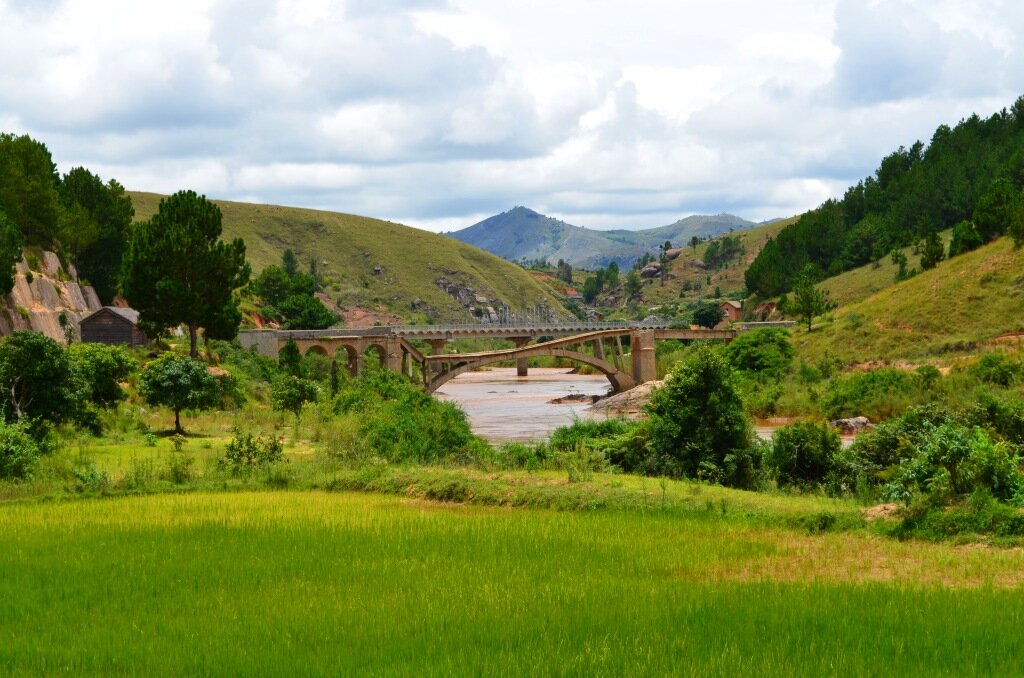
129	314
734	304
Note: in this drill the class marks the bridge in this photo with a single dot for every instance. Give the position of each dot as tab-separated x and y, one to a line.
393	348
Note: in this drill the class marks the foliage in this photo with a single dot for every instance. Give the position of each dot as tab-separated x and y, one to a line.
564	271
10	251
766	352
28	188
179	383
698	427
802	453
403	424
37	380
998	209
290	358
707	313
965	238
634	285
19	452
914	191
177	270
808	300
951	461
304	312
289	299
721	251
245	452
291	393
103	368
96	226
998	368
867	393
932	251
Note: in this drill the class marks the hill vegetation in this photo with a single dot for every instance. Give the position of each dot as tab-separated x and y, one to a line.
522	234
968	178
376	265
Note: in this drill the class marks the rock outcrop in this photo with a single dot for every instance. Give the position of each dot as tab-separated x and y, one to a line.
40	297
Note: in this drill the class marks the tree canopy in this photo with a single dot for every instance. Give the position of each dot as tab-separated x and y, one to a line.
178	271
180	383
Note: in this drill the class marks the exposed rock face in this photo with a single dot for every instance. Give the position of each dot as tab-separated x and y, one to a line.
37	305
651	270
629	402
852	425
673	253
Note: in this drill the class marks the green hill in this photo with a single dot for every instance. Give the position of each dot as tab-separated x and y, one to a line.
379	266
954	309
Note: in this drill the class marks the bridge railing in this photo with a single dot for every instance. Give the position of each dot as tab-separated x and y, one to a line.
467	328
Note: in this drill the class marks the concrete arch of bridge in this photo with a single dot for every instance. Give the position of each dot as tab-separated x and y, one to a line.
377	353
316	348
346	354
619	380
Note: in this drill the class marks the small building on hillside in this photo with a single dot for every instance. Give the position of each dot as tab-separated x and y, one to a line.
113	325
732	310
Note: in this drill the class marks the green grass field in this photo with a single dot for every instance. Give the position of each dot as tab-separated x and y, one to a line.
317	583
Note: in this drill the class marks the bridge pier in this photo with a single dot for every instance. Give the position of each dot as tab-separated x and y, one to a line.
645	366
522	364
599	349
436	348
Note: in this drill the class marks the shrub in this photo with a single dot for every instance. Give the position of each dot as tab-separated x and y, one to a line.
1004	417
802	454
997	368
102	368
765	351
877	393
697	426
37	381
245	452
19	452
951	461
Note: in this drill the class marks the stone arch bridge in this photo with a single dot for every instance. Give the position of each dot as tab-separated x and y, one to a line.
392	348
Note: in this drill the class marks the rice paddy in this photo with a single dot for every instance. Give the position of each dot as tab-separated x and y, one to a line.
312	582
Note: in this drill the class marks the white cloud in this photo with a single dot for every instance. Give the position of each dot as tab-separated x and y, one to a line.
440	113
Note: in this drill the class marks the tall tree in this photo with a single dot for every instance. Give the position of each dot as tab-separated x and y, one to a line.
808	300
178	271
932	251
96	227
28	188
997	209
10	252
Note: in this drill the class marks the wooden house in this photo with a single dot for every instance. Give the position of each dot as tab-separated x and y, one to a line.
113	325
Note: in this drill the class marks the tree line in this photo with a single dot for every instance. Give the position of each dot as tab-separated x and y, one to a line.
967	178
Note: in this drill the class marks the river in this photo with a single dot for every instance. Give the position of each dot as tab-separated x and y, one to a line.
502	406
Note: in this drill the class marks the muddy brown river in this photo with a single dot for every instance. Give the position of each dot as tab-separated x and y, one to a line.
502	406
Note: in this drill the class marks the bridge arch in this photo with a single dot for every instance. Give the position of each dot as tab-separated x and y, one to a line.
316	348
349	356
619	380
377	350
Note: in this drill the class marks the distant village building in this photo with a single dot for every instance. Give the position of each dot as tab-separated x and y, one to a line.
732	310
113	325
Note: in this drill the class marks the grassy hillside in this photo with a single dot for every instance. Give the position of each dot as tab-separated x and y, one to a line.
373	264
952	309
861	283
728	279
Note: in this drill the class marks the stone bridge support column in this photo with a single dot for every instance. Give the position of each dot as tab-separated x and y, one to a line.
436	348
645	366
393	355
599	349
522	364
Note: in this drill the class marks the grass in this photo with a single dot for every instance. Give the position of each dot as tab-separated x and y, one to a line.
321	583
349	248
954	309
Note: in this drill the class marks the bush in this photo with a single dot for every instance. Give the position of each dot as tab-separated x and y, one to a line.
876	394
997	368
402	424
180	383
951	461
765	351
102	368
1004	417
697	426
37	381
19	452
245	452
802	454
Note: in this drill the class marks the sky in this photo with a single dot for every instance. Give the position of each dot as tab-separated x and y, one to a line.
439	113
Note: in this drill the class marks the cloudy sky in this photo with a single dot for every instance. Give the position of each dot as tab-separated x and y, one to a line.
438	114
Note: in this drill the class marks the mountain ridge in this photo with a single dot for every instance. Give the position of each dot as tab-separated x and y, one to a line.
522	233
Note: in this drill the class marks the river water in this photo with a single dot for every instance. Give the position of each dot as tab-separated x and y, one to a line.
502	406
